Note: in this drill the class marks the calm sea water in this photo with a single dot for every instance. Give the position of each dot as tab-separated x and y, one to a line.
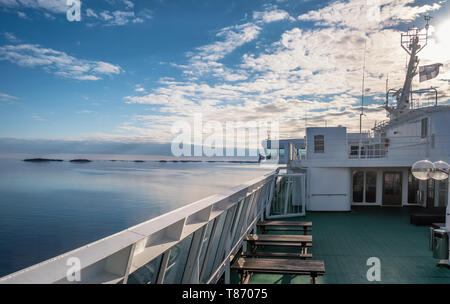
47	209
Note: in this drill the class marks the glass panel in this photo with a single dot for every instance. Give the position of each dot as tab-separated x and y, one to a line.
279	196
205	243
241	222
443	193
413	189
271	153
147	274
371	187
358	186
236	219
281	152
215	244
319	144
177	261
220	255
392	192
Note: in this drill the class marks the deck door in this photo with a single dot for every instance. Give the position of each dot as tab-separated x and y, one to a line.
288	197
392	188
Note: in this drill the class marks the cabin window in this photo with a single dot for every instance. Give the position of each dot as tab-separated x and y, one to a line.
281	151
354	150
424	128
319	144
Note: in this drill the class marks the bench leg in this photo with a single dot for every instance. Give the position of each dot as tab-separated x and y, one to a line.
245	277
313	278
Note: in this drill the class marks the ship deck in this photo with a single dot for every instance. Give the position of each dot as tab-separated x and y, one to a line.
344	241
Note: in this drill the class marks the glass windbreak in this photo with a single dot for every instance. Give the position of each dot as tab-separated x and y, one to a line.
279	196
205	243
177	261
147	274
209	259
443	193
413	189
358	186
371	187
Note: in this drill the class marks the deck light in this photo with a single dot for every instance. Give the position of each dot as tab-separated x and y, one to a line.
423	169
441	170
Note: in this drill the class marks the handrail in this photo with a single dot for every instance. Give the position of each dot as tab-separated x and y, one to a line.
115	258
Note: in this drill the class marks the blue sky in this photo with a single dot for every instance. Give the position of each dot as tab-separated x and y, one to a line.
129	69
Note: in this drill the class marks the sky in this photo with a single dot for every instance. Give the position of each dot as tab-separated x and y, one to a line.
128	70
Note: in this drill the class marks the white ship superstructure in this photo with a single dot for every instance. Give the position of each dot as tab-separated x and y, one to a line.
374	168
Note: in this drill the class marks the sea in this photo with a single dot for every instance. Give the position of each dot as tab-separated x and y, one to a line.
49	208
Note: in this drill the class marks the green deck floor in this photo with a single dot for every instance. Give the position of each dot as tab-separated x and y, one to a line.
346	240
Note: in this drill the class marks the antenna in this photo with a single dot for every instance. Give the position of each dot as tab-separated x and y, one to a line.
362	90
427	19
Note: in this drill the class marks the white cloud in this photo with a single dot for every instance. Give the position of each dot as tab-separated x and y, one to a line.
59	63
120	17
54	6
272	16
205	59
22	15
38	117
367	14
7	98
315	72
11	37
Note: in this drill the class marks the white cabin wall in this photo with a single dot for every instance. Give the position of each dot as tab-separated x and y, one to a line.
439	126
405	141
335	139
329	189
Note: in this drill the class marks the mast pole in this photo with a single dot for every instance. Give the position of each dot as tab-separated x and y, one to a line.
362	90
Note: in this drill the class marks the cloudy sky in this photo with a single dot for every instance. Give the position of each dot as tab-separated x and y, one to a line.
131	68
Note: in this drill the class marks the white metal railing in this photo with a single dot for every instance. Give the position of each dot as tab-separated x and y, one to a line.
367	149
192	244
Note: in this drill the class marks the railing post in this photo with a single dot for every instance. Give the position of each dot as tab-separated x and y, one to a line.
130	261
162	267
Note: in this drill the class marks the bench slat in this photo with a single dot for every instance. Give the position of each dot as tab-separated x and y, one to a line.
286	229
281	244
285	266
285	223
278	238
278	254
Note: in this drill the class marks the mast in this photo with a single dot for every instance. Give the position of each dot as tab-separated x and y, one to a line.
412	42
362	90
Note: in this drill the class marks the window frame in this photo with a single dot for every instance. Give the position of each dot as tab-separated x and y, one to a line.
319	143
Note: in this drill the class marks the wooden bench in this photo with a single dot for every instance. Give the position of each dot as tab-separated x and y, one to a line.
302	241
304	227
301	256
247	266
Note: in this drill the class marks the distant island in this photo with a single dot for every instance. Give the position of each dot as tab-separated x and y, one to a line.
42	160
80	161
